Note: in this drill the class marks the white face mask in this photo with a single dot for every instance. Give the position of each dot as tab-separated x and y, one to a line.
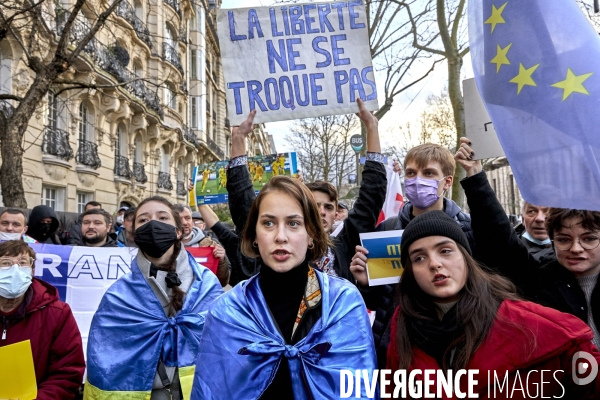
120	219
14	281
10	236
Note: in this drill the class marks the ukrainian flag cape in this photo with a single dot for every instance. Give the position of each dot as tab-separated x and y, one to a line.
241	347
130	332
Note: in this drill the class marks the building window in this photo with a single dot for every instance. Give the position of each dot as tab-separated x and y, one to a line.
139	150
82	199
53	197
52	110
164	160
194	64
86	123
194	112
170	97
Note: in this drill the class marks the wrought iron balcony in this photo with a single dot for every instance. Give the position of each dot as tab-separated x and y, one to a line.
181	190
127	12
78	31
164	181
213	146
122	167
189	135
56	143
6	108
139	173
175	6
87	154
170	54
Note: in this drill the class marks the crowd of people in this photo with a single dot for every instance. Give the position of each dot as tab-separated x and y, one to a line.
474	294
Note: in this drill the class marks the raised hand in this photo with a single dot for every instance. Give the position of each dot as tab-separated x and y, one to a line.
464	156
358	266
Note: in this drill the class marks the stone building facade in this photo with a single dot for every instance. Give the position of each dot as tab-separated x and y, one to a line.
159	110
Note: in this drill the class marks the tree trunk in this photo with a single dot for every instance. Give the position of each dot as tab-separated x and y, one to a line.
458	107
11	139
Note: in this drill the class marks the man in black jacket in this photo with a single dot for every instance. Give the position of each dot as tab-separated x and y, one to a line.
73	236
569	282
95	229
43	225
532	231
362	218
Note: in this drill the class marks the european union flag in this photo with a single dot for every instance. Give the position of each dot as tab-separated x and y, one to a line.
537	67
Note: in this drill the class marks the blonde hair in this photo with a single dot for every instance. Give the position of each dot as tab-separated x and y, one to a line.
423	154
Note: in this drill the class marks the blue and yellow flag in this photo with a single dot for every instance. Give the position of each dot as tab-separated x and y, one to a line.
536	63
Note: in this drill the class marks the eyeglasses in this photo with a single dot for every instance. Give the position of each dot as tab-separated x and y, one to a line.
587	242
6	263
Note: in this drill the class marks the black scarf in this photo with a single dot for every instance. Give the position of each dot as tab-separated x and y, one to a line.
434	336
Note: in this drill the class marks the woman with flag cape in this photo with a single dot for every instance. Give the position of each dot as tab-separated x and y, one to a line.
144	337
289	331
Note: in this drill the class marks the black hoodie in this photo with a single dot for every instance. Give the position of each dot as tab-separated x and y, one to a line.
37	214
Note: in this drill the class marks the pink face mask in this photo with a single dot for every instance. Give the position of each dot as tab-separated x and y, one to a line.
421	192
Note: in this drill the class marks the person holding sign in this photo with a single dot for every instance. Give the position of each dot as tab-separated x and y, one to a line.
291	328
362	218
453	316
144	337
429	172
31	310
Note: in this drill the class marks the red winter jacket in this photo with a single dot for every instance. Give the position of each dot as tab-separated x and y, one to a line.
55	341
546	342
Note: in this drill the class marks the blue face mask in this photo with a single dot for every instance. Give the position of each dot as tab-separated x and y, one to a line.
527	236
14	281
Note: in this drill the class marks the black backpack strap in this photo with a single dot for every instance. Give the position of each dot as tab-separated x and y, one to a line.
173	387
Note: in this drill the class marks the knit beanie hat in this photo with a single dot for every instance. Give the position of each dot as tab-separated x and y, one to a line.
431	223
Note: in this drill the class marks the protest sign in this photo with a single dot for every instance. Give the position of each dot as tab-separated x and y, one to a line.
212	177
383	260
83	274
17	372
296	61
478	123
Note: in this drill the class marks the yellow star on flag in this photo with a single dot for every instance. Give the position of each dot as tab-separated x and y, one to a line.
501	58
496	17
572	83
524	77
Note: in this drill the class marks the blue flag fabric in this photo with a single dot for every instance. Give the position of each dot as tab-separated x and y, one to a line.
537	70
241	347
130	331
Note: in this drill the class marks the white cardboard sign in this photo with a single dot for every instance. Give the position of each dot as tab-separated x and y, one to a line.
480	129
296	61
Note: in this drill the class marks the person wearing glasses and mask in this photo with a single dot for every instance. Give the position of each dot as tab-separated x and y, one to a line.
568	282
30	310
144	337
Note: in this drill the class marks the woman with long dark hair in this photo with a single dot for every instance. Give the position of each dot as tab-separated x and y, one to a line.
287	332
453	315
144	337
